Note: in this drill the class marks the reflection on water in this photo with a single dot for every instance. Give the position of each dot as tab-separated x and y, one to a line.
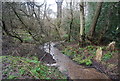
68	67
49	48
61	60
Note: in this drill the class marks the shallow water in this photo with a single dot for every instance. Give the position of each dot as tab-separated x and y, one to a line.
70	68
62	61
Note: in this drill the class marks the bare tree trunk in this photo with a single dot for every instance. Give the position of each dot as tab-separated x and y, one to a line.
70	31
106	26
38	12
82	23
45	12
59	13
95	19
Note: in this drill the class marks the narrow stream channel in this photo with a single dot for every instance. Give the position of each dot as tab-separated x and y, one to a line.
60	59
70	68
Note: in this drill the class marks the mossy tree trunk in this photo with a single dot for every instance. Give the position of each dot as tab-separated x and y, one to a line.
95	19
82	24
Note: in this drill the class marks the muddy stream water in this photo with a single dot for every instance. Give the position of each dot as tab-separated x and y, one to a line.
68	67
61	59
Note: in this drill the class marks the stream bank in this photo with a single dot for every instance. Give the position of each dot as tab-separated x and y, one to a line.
107	66
28	50
68	67
30	56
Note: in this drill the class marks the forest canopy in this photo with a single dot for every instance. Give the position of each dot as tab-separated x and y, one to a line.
35	21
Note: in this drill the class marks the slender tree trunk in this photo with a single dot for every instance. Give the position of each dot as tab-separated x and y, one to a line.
59	13
59	16
45	11
95	19
38	12
70	31
82	23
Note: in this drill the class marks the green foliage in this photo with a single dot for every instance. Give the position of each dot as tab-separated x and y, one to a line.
65	36
69	51
24	35
90	47
75	25
111	22
30	67
28	39
103	47
12	77
80	58
21	71
107	56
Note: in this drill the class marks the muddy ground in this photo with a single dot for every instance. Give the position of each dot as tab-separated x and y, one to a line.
109	67
23	50
27	50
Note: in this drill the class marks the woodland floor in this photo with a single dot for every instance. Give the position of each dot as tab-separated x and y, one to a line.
107	66
27	50
24	49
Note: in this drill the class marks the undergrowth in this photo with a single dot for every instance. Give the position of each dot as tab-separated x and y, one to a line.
86	54
15	67
80	55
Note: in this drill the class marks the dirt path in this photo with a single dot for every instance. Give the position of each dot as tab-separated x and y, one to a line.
67	66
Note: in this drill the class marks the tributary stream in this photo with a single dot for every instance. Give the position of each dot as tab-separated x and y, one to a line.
70	68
